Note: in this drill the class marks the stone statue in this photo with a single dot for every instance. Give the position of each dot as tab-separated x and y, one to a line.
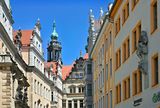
142	51
18	40
25	98
19	94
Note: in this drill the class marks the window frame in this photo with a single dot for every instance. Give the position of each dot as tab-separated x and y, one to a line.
152	20
154	83
136	31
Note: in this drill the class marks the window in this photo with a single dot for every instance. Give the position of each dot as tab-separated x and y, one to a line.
154	16
41	89
75	103
155	73
106	71
111	99
106	100
117	25
69	104
118	93
126	49
126	88
134	2
64	103
52	96
135	36
106	44
110	37
137	82
110	67
89	69
35	85
70	90
118	58
125	12
89	89
81	103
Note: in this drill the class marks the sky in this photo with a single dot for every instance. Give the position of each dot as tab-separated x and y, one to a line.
71	18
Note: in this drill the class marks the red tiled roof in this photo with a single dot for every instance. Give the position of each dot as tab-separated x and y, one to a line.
53	64
65	71
26	36
85	56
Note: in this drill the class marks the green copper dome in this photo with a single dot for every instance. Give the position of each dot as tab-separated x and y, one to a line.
54	33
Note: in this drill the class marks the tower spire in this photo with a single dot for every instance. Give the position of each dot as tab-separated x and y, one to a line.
54	33
80	53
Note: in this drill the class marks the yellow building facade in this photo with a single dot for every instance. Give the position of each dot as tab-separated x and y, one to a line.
126	68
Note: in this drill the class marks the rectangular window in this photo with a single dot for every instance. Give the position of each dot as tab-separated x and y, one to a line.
126	88
75	103
110	35
69	104
106	71
64	103
137	82
126	49
89	89
89	69
106	100
154	16
111	99
135	36
106	44
125	12
118	93
81	103
110	67
155	73
118	58
118	25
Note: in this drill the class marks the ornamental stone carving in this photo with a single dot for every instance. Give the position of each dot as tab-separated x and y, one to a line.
142	51
19	93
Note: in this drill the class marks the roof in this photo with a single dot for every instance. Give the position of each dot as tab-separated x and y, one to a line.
51	64
26	36
85	56
66	71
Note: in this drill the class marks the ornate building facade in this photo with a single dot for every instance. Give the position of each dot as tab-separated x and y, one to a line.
26	80
94	28
73	85
13	76
54	63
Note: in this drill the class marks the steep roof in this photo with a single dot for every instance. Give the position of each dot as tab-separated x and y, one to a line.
26	36
66	69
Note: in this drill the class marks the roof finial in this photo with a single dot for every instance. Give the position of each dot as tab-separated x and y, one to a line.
101	12
38	24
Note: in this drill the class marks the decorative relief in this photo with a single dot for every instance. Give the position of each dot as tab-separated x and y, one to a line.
142	52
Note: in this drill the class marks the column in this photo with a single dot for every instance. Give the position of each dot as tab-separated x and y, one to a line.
66	103
78	104
72	103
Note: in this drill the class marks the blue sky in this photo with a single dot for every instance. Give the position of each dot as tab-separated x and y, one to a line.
71	20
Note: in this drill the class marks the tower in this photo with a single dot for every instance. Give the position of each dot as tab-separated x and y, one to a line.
54	47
